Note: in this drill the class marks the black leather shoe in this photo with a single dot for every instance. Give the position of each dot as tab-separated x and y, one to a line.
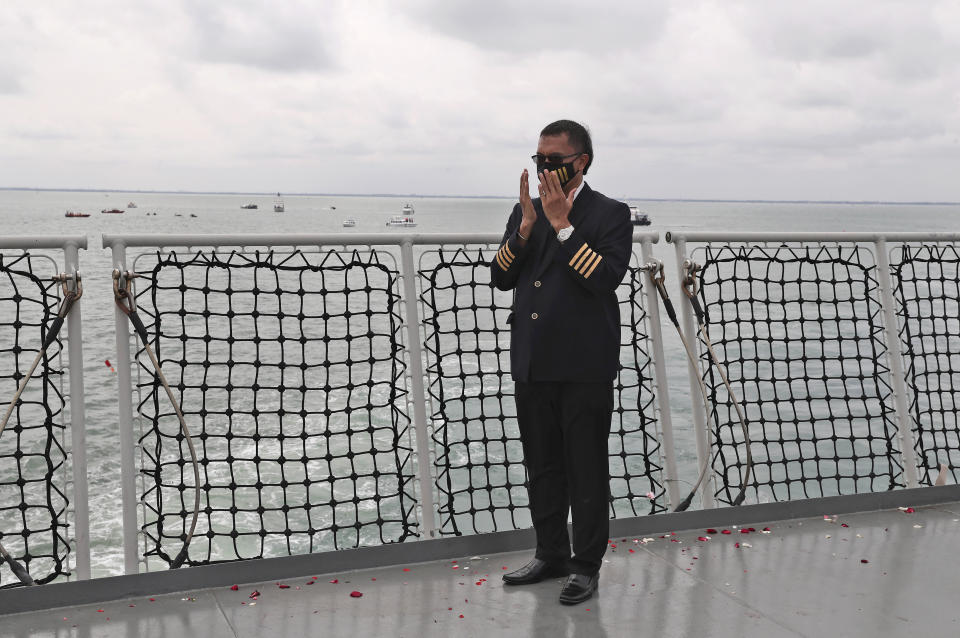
578	588
535	571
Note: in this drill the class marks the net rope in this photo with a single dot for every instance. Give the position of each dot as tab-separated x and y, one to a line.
34	524
927	289
289	371
799	331
478	459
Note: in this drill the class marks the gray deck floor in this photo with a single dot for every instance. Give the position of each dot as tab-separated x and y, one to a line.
887	573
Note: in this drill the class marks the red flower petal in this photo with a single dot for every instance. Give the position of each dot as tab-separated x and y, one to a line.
726	531
864	560
355	594
252	595
702	538
335	581
711	531
235	588
283	586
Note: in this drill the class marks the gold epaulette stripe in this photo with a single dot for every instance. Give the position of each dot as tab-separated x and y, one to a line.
506	247
589	272
594	257
501	262
506	258
587	254
582	248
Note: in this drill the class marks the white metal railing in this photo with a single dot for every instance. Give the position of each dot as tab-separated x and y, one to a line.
881	247
418	396
881	244
66	248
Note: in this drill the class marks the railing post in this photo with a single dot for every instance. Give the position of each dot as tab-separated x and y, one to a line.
660	371
693	372
78	435
418	391
895	356
128	473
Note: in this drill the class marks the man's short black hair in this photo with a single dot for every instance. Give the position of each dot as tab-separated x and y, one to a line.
577	135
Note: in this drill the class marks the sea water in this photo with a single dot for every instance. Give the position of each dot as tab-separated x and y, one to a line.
25	212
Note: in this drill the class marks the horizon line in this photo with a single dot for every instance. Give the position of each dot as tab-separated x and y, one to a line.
641	199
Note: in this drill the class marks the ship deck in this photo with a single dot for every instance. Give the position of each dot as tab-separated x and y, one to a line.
864	565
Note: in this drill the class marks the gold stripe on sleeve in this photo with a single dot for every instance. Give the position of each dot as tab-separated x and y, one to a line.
506	247
582	248
585	258
503	266
505	257
589	272
594	257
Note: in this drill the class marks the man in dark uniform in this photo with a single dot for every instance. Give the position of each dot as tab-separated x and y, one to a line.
564	254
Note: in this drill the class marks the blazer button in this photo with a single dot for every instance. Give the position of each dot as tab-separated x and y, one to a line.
536	284
534	316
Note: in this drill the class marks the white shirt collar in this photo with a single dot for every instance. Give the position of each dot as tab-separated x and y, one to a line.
576	193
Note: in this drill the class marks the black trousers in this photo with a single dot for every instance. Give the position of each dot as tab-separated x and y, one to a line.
564	429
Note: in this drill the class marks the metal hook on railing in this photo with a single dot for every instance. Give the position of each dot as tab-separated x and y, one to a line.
70	294
691	287
125	299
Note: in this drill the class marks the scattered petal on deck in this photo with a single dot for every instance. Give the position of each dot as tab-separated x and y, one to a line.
355	594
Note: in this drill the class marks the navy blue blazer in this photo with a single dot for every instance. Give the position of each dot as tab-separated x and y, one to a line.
565	321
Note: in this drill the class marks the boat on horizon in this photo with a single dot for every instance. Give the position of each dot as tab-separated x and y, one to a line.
112	211
249	206
131	204
407	209
278	204
401	220
70	213
639	218
349	223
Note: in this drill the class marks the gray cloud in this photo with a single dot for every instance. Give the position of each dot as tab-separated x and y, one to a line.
9	82
599	28
274	36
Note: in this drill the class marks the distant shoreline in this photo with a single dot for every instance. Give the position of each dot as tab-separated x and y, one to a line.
636	199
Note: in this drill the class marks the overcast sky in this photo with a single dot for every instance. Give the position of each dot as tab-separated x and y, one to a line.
729	99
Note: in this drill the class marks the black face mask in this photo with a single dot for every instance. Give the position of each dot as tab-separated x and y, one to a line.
565	172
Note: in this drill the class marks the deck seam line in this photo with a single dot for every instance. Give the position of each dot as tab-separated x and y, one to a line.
740	601
223	613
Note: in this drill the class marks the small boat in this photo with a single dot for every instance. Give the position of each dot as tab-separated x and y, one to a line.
407	209
249	207
278	204
112	211
131	205
638	218
349	223
70	213
401	220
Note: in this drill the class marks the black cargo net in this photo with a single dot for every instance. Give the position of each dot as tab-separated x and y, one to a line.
33	461
289	372
480	478
927	286
799	332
